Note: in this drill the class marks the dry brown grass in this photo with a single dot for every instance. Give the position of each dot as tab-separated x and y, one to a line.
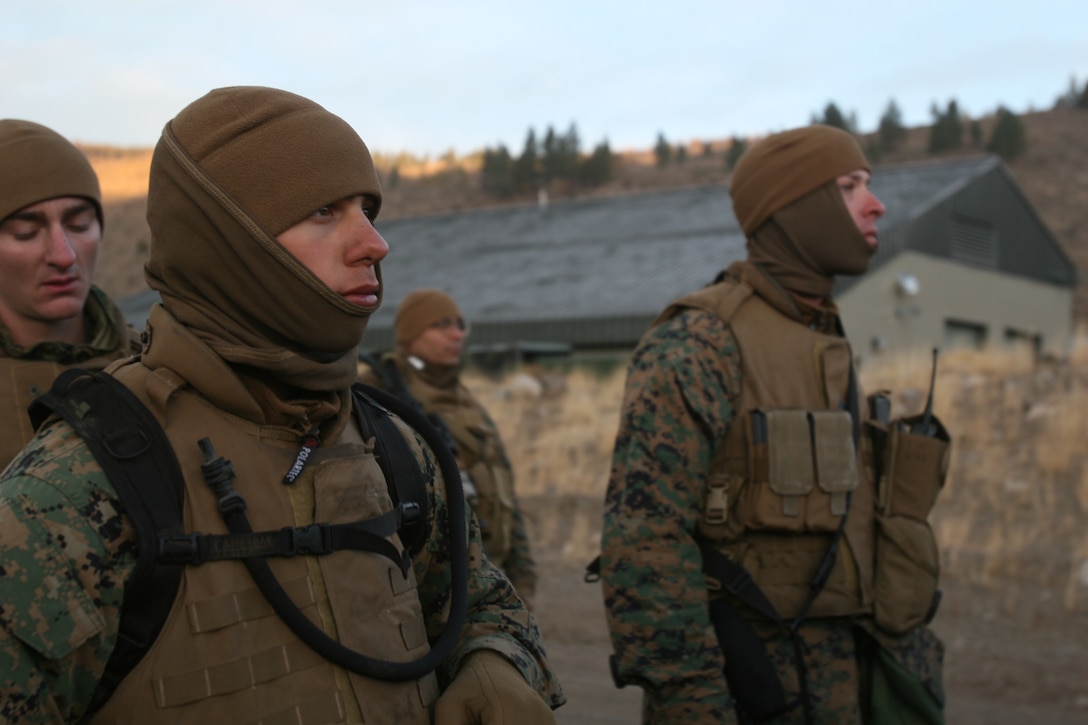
122	173
1013	515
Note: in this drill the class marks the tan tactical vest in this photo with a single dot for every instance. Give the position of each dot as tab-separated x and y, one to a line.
223	655
23	380
778	485
479	453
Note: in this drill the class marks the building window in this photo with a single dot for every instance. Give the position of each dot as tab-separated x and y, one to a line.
1023	340
960	333
974	241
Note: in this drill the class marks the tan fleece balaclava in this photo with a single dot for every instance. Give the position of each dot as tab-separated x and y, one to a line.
418	311
37	164
788	203
231	171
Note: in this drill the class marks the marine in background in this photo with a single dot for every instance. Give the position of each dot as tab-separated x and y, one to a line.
302	597
52	317
766	555
425	366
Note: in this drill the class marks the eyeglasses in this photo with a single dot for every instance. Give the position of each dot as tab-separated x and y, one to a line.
448	323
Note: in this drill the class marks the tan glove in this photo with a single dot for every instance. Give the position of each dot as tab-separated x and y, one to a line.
490	691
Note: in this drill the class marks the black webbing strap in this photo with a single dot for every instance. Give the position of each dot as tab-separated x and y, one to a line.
135	455
728	622
314	540
394	383
405	480
218	473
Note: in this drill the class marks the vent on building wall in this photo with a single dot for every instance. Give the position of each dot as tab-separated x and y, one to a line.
974	241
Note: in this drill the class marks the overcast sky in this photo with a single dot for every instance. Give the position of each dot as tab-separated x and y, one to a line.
426	76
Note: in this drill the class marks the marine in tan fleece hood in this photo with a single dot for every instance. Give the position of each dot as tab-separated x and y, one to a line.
788	203
233	170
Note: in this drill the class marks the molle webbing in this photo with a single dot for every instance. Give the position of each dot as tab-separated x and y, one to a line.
136	456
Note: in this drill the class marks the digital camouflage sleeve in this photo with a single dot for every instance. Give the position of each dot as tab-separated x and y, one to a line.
680	397
66	552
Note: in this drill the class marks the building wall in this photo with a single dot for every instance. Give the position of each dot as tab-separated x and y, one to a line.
954	304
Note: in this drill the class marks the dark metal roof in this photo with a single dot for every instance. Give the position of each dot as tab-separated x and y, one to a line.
598	270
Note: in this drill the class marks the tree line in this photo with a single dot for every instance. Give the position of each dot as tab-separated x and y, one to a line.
555	161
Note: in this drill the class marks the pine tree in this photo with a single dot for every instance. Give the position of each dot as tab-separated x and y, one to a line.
976	133
550	162
1008	139
874	151
736	147
834	117
947	131
662	151
497	172
891	131
570	150
1069	98
597	168
1082	99
526	174
681	153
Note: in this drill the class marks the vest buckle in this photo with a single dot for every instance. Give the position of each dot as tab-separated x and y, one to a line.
179	549
313	540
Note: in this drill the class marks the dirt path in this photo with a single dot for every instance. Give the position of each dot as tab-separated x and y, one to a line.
1013	655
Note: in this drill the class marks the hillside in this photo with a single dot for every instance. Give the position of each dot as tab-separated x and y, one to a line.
1053	174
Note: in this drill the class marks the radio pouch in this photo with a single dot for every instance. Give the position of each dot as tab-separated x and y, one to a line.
912	472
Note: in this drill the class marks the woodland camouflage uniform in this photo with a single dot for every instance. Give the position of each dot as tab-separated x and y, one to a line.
683	408
62	531
264	370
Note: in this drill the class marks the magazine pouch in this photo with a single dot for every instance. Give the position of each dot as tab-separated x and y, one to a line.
802	466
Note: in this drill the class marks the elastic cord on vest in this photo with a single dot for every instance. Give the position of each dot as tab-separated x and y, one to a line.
235	518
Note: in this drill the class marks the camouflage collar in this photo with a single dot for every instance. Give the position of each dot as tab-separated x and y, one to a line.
107	335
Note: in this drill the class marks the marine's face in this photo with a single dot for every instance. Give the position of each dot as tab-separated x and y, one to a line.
48	253
862	204
340	245
441	343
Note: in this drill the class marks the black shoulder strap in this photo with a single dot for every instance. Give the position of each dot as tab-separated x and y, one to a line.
399	465
393	382
135	455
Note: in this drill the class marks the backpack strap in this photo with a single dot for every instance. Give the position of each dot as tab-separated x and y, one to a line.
393	382
407	487
135	455
219	475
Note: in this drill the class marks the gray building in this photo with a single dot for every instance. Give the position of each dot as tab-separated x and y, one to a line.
963	259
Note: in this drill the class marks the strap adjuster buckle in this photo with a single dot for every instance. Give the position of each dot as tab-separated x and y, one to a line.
308	540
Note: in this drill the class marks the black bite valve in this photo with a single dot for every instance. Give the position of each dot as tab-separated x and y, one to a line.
218	474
